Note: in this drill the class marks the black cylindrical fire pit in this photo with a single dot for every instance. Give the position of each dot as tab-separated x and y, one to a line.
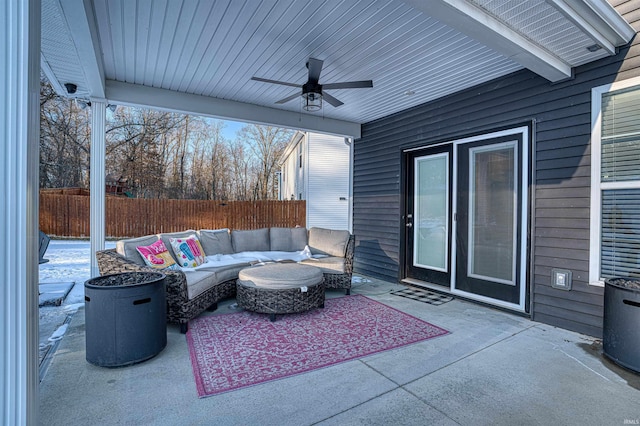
621	334
125	318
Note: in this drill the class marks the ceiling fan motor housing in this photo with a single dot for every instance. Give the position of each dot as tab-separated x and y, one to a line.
312	88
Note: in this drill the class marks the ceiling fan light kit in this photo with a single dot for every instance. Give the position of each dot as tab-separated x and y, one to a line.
312	91
312	102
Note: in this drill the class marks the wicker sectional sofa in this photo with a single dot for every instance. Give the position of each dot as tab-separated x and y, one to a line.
192	291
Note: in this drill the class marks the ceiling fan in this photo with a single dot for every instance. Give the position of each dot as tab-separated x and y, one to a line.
313	91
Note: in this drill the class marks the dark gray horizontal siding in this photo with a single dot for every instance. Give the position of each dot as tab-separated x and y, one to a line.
579	234
562	116
562	213
555	174
376	217
558	163
551	242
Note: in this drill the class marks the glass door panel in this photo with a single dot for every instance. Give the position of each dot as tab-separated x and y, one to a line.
493	213
431	224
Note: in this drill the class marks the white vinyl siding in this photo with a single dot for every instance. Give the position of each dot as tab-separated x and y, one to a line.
289	177
328	182
317	168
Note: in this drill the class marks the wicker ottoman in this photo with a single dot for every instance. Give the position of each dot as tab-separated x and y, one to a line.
280	288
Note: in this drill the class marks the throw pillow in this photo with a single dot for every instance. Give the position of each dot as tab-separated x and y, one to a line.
157	256
166	238
188	251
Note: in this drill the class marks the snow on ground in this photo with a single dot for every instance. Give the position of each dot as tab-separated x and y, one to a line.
69	261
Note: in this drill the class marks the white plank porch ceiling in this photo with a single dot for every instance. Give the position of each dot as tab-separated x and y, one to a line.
212	48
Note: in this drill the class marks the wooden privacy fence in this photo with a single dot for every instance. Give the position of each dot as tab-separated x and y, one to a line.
68	215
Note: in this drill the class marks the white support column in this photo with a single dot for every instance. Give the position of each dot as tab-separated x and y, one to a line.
97	180
351	142
19	144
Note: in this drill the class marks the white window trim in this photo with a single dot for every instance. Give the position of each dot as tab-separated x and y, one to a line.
596	185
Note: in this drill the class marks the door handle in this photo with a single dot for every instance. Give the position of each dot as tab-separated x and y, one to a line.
409	225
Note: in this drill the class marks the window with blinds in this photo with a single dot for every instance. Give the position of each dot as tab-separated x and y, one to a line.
620	184
620	251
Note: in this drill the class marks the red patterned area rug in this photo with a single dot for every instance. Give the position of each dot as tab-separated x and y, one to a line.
232	351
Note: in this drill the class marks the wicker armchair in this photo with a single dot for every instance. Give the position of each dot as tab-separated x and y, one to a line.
343	280
180	309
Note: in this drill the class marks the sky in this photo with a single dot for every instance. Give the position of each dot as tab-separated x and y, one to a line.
230	128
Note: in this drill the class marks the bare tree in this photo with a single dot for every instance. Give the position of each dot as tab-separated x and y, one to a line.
64	141
240	172
210	175
137	145
267	144
160	154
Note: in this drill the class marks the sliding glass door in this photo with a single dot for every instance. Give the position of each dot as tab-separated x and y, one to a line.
465	216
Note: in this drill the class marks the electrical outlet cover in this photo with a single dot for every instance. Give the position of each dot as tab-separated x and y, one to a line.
561	279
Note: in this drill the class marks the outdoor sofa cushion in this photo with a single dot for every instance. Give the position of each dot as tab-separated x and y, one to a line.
128	248
328	265
226	272
215	241
279	276
251	240
328	241
199	281
287	239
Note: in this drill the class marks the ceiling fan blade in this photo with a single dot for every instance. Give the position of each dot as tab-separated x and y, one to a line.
315	68
349	85
333	101
288	98
284	83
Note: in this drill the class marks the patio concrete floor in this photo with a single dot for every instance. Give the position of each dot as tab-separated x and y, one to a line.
494	368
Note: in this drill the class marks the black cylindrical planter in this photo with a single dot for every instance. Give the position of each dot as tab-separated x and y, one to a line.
125	318
621	333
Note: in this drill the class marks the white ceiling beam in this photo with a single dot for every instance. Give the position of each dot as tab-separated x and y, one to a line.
474	22
80	20
605	22
584	25
51	76
138	95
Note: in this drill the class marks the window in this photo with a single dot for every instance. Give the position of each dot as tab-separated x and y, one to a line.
300	158
615	181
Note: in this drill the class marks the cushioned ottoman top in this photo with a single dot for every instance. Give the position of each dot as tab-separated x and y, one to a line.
280	276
